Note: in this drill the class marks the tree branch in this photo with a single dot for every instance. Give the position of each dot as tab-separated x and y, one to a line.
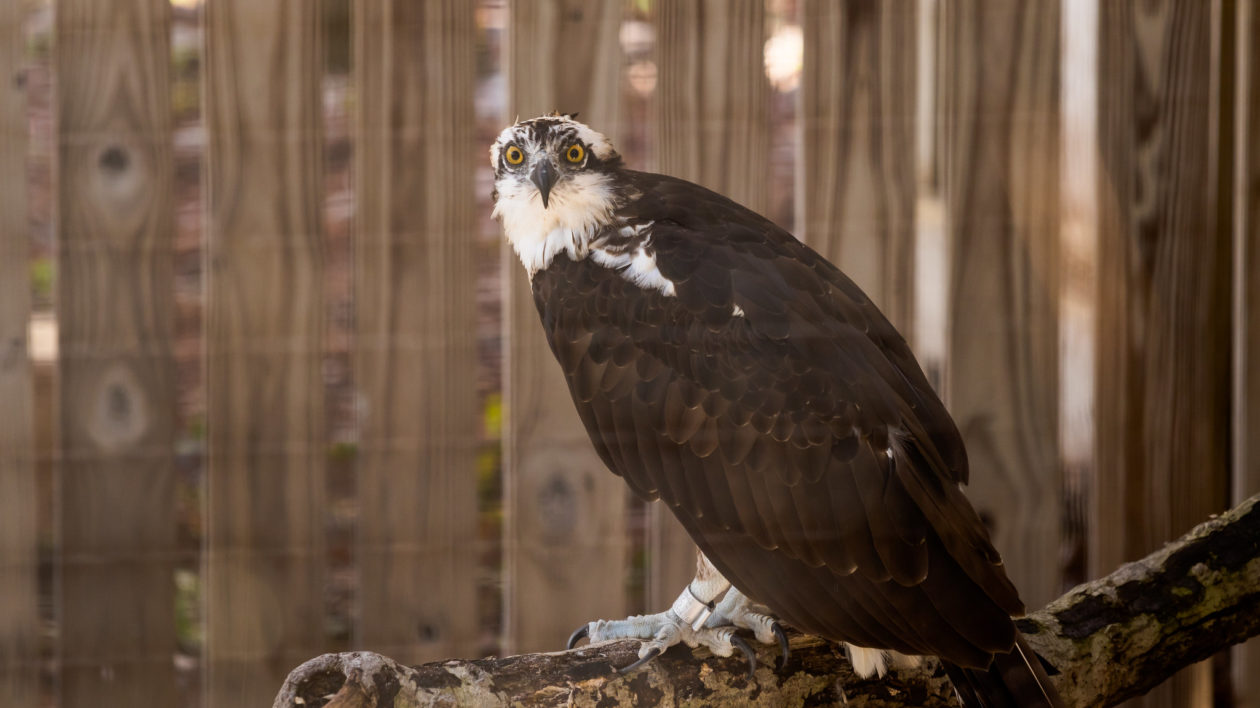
1108	640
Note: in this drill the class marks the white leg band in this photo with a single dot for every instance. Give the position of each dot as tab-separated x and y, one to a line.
691	610
691	606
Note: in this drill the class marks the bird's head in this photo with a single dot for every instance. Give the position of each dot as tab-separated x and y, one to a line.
555	185
548	158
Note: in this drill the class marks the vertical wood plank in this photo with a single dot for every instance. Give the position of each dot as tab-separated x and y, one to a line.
671	559
565	513
1000	62
264	333
1246	364
19	614
115	210
1164	283
710	121
416	359
857	151
712	97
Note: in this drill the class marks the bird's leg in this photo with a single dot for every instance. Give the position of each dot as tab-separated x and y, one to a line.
737	609
707	613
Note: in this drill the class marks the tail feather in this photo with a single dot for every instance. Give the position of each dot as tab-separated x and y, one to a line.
1014	680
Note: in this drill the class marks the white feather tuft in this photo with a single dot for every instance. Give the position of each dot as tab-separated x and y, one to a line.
578	207
867	662
876	662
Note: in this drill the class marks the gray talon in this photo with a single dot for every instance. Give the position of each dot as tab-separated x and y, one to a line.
783	643
739	643
650	656
578	634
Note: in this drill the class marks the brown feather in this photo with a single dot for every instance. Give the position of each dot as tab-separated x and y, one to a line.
766	433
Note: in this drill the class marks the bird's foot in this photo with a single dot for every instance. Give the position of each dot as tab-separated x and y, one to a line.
696	624
663	630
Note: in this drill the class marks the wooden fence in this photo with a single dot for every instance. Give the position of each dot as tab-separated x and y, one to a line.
270	424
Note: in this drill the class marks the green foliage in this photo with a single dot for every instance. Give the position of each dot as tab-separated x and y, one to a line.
492	417
42	275
188	631
490	461
196	427
343	451
185	87
39	47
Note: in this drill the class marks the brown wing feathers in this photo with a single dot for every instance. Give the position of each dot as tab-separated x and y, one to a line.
768	431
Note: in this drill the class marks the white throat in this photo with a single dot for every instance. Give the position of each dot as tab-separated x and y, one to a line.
578	207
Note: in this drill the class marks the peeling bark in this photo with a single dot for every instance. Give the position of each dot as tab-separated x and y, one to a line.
1106	640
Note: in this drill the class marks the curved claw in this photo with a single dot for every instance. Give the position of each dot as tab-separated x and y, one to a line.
655	652
578	634
739	643
783	643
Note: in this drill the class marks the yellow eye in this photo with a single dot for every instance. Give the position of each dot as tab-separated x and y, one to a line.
514	155
575	153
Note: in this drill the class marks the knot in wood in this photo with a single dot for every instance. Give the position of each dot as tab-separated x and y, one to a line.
557	513
119	415
114	159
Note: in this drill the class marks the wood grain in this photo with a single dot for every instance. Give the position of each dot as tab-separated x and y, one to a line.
1246	240
1163	301
710	117
115	215
19	617
1000	112
263	339
564	512
710	120
857	151
415	360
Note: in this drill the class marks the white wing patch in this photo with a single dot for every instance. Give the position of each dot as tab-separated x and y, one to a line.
637	265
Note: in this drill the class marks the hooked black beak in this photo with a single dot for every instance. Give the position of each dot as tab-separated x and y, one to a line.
544	176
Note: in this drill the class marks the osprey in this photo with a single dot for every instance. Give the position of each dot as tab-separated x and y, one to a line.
726	369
